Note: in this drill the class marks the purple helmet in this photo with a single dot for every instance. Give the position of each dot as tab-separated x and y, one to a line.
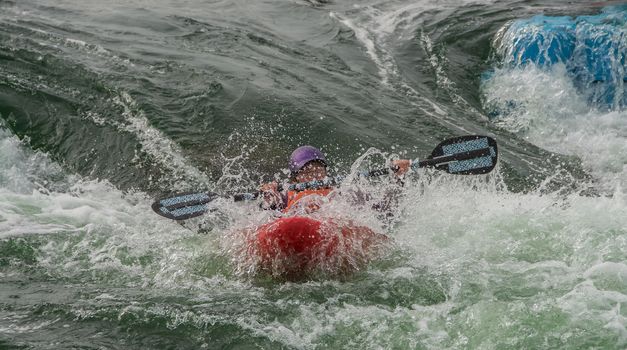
303	155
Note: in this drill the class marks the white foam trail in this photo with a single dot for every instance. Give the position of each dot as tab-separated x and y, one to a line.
57	41
154	142
379	27
372	28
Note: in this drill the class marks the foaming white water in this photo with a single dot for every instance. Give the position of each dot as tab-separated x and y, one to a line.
38	197
91	225
502	260
517	254
472	263
494	224
545	108
23	171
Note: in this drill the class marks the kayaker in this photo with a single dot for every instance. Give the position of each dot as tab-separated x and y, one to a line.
306	164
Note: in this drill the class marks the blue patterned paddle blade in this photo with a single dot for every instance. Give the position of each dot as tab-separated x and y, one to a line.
466	155
184	206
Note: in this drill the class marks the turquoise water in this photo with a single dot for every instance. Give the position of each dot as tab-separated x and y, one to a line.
105	107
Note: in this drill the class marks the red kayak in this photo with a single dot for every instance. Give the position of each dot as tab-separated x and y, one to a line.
298	247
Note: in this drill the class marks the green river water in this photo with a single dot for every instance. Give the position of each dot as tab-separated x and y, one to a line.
105	106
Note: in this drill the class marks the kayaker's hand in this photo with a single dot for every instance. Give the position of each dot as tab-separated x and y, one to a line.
269	187
271	196
402	166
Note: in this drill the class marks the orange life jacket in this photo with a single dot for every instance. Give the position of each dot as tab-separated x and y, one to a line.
293	197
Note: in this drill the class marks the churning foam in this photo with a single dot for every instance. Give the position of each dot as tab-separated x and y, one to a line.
544	107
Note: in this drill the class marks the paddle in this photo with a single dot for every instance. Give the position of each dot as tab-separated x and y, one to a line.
190	204
464	155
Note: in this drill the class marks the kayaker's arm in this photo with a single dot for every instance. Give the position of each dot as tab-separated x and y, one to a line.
389	202
400	167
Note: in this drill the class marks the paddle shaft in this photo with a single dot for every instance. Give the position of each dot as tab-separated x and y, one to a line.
468	155
436	161
297	187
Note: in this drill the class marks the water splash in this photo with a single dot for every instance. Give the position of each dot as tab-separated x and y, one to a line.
591	48
545	107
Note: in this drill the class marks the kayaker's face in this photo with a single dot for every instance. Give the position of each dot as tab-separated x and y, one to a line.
311	172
